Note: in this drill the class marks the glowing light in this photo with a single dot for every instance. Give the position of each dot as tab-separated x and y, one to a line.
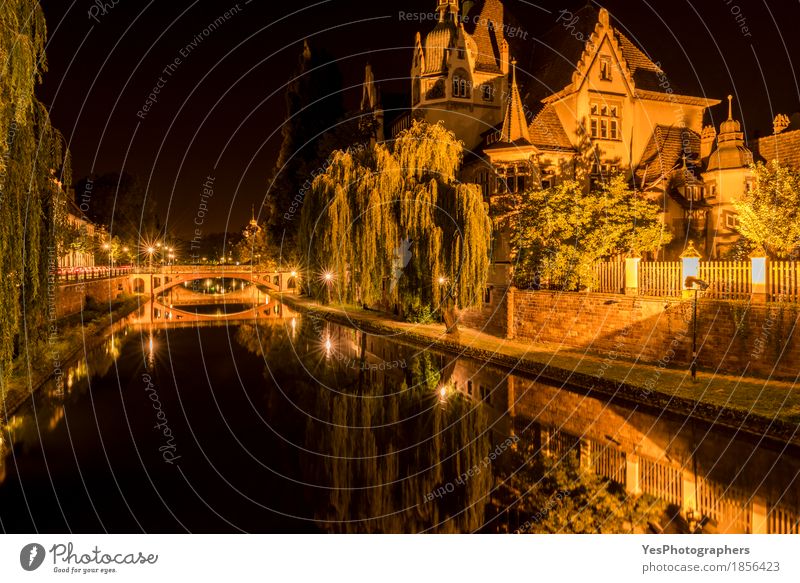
443	393
442	280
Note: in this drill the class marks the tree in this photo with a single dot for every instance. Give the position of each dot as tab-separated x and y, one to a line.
34	164
556	495
256	248
392	223
314	107
559	233
769	215
119	202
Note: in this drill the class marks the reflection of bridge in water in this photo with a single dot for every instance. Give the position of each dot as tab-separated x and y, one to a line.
172	299
228	312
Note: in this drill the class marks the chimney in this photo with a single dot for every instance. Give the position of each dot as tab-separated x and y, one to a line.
707	139
780	123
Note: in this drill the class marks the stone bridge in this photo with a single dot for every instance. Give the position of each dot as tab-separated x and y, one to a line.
157	281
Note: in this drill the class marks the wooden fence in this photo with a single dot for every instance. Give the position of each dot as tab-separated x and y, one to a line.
661	480
610	277
730	509
728	280
781	520
607	462
784	281
660	278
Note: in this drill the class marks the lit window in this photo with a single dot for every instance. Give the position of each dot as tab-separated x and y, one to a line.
605	69
460	84
604	122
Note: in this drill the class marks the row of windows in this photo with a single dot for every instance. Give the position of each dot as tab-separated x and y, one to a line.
461	88
604	121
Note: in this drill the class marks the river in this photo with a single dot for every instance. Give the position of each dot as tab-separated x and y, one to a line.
292	424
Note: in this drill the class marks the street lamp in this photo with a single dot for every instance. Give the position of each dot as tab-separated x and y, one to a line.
697	285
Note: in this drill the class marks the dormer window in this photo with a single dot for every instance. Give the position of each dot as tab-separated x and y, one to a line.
605	68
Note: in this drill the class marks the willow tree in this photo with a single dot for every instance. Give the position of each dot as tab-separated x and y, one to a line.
392	224
33	166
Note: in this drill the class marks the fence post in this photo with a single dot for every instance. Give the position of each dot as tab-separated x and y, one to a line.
690	267
758	519
632	474
632	274
689	487
759	274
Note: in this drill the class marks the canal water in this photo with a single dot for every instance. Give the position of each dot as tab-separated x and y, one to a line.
292	424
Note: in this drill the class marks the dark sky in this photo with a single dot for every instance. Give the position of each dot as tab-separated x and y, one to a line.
220	111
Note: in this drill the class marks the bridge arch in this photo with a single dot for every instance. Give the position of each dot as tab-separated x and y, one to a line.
159	282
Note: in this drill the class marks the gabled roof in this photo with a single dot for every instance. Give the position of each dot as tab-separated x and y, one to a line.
558	53
665	151
546	131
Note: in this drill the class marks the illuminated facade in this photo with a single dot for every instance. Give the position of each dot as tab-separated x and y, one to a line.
586	103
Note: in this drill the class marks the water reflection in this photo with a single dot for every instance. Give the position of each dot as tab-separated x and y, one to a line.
291	423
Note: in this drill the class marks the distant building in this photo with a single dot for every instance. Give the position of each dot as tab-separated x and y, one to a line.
80	254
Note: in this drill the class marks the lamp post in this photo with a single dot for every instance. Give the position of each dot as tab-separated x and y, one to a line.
696	285
150	251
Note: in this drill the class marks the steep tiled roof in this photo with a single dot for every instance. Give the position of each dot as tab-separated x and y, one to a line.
557	54
487	36
783	147
546	131
665	151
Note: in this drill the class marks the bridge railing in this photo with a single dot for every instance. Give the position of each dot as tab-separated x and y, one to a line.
77	274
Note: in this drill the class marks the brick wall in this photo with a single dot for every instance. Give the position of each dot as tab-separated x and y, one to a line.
72	297
731	335
491	317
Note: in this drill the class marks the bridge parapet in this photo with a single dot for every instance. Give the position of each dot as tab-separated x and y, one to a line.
157	281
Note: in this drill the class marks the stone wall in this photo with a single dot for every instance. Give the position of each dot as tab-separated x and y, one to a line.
72	297
491	317
732	336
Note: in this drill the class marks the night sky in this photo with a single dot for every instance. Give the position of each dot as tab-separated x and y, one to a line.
219	112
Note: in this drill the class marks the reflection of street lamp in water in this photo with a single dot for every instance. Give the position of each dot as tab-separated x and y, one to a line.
696	285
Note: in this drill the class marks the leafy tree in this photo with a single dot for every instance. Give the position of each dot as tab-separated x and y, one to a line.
392	224
769	215
256	248
558	233
120	203
34	164
557	495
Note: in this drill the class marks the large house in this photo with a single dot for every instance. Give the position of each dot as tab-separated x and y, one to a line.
583	103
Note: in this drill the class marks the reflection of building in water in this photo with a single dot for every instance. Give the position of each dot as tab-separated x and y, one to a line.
738	486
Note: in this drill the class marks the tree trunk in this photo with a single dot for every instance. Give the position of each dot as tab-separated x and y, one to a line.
451	320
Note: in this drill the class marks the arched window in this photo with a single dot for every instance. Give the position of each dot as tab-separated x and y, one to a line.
461	84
